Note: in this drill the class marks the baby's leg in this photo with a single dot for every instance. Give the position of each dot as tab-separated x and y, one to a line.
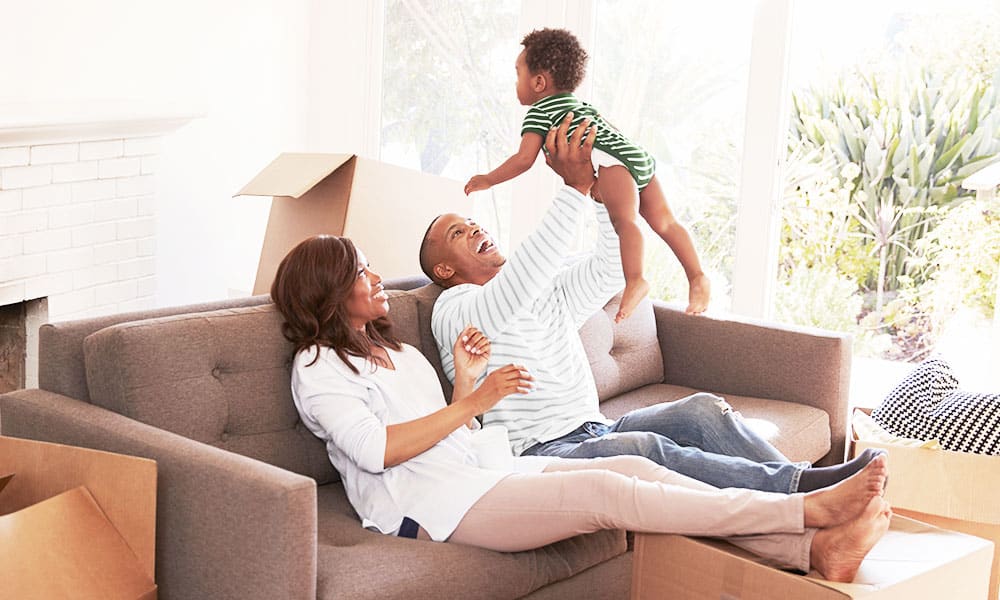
654	209
616	189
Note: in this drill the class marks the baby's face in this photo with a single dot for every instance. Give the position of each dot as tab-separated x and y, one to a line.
525	91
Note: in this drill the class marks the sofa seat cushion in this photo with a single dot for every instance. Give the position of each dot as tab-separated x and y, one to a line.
219	377
408	568
798	431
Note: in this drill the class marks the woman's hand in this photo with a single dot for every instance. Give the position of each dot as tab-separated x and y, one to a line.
472	354
507	380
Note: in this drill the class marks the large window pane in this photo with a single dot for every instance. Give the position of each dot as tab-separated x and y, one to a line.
894	104
673	77
448	105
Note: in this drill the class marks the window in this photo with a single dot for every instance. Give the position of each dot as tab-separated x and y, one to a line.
673	77
894	104
448	105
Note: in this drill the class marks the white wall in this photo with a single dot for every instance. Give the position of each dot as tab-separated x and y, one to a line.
241	64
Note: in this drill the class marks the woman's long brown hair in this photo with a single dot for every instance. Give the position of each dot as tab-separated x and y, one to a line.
310	289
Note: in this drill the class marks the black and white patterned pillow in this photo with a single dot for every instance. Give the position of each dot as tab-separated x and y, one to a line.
927	404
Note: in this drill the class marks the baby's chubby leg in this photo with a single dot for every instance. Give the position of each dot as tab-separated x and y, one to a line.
654	209
616	189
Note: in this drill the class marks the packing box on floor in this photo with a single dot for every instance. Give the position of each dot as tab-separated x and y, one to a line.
75	523
912	561
954	490
383	208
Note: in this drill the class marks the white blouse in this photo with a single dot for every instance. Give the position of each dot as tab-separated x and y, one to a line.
350	412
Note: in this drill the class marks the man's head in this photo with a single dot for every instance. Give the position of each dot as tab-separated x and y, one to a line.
557	54
455	250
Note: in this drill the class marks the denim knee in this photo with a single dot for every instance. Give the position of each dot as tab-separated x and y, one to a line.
642	443
704	406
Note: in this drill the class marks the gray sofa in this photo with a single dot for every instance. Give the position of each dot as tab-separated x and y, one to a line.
248	504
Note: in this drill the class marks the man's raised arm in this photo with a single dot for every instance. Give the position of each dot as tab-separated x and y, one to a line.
532	267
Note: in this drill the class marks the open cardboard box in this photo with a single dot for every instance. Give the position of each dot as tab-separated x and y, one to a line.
913	561
384	209
75	523
954	490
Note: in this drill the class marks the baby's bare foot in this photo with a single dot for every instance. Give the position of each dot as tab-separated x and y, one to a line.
841	502
837	552
634	292
699	293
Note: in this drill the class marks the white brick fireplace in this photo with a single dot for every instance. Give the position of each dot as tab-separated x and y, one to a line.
78	213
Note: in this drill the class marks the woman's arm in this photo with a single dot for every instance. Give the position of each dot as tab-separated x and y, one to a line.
472	353
520	162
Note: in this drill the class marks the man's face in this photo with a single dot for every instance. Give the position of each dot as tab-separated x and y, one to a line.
466	249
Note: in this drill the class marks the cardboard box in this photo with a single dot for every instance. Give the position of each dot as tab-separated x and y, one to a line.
383	208
75	523
913	561
954	490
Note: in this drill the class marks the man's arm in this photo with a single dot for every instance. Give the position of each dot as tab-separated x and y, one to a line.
529	272
588	285
533	266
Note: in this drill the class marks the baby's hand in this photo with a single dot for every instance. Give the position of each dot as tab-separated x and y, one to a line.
478	183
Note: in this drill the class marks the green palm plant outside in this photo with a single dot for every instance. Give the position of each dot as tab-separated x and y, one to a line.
911	145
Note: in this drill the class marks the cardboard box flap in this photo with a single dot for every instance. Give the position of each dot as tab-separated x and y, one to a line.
123	486
293	174
913	560
958	485
43	545
902	555
383	208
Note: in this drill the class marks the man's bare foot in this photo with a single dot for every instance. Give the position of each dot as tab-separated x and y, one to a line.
699	293
841	502
837	552
634	292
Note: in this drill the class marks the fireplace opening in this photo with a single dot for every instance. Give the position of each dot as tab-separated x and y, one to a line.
19	324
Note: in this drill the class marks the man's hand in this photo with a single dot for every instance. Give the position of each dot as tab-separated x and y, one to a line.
570	159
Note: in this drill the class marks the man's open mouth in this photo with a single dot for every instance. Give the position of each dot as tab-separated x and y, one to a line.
484	246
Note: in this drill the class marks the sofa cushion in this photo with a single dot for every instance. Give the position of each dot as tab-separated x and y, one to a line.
798	431
425	569
623	356
219	377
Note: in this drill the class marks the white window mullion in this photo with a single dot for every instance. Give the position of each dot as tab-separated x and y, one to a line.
533	191
759	211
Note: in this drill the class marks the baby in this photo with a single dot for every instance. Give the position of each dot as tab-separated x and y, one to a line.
549	69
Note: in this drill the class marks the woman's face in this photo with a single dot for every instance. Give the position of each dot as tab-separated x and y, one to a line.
367	301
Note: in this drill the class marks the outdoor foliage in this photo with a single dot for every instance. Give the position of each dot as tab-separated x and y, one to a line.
874	208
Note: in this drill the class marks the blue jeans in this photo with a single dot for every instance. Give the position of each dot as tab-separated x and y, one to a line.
699	436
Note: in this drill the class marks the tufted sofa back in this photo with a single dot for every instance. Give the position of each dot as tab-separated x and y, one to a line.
222	377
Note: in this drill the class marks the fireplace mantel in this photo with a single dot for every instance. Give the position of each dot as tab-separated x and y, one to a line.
24	123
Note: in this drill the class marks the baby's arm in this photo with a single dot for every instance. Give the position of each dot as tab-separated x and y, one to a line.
531	144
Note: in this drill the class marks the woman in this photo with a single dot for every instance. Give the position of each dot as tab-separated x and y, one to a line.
406	459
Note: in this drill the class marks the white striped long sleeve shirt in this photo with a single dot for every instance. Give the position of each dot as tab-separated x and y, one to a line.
532	311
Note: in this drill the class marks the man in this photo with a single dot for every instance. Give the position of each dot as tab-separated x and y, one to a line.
531	308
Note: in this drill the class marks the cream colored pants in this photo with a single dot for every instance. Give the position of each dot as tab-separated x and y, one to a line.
574	496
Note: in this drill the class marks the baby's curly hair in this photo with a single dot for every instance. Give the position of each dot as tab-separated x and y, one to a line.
558	52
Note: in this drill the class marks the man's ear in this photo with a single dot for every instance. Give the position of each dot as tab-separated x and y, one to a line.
443	272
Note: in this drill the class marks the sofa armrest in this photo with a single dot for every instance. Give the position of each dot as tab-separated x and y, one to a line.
227	526
765	360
